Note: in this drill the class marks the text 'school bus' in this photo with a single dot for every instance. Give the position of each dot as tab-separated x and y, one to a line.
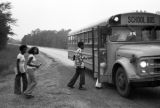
125	50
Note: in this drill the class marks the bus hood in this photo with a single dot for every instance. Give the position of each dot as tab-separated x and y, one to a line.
139	50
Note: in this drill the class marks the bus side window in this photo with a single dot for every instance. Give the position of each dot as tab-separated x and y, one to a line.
90	37
131	37
145	35
69	39
86	38
78	38
95	37
114	37
158	34
82	37
103	41
122	36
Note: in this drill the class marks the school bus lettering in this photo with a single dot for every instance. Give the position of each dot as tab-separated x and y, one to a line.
150	20
140	19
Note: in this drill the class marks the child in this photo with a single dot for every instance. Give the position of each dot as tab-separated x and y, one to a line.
31	67
21	71
79	68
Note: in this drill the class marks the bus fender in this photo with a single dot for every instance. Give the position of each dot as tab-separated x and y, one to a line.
129	68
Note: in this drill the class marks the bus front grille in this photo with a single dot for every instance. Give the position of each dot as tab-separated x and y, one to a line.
154	65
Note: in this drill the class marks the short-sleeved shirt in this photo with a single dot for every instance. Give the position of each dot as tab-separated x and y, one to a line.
21	63
32	62
79	58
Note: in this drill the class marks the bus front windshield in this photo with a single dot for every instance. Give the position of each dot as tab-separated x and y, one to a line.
135	34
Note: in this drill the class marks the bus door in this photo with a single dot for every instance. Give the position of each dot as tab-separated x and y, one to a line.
101	51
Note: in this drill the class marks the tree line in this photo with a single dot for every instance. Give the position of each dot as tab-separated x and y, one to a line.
6	23
47	38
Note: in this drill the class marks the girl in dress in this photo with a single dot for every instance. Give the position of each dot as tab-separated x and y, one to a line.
31	68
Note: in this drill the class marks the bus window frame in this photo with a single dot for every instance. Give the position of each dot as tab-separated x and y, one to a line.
96	36
90	37
85	37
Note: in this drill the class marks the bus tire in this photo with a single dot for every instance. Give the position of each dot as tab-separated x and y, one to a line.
121	82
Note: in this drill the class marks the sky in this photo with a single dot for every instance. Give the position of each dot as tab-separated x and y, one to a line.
70	14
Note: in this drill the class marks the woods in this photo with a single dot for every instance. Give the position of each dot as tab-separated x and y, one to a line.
6	22
47	38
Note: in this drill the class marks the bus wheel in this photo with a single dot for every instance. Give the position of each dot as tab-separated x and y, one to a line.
121	81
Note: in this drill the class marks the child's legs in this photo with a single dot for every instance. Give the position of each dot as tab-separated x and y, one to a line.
82	77
24	81
32	83
74	78
17	85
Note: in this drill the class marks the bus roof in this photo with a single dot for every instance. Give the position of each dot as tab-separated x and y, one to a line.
132	18
89	27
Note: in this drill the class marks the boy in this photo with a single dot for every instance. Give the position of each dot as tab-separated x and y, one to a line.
21	71
79	68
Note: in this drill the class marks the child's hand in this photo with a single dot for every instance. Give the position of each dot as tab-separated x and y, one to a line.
39	65
88	57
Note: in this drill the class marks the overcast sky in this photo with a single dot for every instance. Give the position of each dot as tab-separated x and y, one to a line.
70	14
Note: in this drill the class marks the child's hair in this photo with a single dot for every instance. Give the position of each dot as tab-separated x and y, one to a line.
22	47
80	44
31	50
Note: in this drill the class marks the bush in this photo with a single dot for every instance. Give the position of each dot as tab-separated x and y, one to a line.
8	59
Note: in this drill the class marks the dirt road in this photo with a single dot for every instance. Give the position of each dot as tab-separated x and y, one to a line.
49	92
52	92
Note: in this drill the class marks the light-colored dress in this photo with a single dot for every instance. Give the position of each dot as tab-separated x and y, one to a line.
31	76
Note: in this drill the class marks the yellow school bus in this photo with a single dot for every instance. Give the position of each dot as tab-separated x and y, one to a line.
125	50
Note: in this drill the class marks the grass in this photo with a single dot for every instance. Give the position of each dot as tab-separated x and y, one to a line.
8	59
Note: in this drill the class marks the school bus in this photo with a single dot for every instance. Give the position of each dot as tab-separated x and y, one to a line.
125	50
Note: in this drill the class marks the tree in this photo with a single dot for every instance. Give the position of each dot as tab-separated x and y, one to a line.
6	21
48	38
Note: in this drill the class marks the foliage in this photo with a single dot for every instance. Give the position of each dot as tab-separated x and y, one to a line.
8	59
48	38
6	21
13	41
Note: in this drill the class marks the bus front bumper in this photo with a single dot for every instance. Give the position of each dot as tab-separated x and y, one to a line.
145	82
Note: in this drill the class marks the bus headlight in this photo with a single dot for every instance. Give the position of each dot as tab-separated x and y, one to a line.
143	64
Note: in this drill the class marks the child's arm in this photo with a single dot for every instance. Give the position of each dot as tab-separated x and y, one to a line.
29	63
89	57
84	57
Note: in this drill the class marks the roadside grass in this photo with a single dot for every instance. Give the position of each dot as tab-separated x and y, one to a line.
8	59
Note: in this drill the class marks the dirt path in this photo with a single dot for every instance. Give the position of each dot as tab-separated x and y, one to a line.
48	93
